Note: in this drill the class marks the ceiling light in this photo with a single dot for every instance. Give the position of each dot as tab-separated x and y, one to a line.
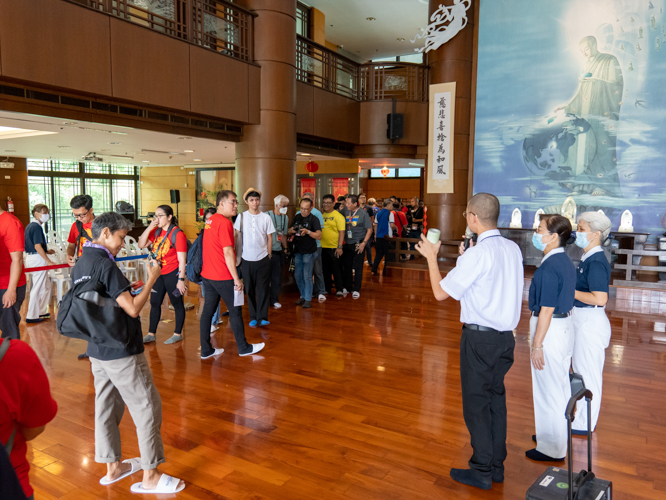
69	123
15	133
63	147
305	154
114	143
10	151
196	159
370	18
189	150
400	39
186	138
145	161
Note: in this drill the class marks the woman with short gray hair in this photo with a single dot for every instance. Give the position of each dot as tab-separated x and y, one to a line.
281	223
592	330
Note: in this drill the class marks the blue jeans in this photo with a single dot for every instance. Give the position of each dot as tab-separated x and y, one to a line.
216	316
304	262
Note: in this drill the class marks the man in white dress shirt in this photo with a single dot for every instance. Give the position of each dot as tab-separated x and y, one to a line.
488	282
256	228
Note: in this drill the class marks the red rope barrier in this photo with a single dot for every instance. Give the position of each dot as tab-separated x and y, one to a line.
44	268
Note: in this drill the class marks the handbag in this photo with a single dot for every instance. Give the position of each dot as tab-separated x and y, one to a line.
87	314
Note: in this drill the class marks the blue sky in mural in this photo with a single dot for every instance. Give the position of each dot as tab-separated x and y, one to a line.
560	113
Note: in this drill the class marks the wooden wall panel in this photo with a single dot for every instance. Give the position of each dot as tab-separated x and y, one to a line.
335	117
156	182
373	122
55	43
304	108
14	183
149	67
384	188
213	80
254	94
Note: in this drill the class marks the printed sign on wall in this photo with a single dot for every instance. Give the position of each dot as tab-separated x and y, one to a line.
440	138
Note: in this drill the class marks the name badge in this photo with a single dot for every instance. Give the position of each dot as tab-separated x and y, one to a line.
349	234
279	236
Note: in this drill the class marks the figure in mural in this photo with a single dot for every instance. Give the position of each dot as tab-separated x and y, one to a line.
593	158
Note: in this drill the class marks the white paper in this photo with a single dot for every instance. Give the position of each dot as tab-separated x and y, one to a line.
239	298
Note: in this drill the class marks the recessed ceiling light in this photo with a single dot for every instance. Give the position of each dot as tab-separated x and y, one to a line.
400	39
10	151
186	138
305	154
370	18
145	161
196	159
63	147
69	123
117	143
189	150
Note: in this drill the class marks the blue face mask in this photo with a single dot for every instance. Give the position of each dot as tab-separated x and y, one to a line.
537	241
581	240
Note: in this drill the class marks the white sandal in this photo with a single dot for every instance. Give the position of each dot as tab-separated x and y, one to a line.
166	484
136	467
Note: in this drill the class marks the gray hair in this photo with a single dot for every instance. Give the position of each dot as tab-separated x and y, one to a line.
114	221
279	199
598	222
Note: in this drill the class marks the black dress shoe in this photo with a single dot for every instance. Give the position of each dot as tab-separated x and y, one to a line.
300	301
33	321
470	478
306	304
533	454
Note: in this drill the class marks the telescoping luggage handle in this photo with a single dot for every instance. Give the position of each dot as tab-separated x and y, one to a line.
569	414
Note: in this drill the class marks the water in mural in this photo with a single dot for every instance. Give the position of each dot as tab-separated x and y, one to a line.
571	102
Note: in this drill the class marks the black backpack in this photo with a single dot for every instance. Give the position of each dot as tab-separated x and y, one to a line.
195	260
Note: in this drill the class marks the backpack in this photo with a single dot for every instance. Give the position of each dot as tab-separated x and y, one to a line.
195	260
82	234
398	223
175	231
10	487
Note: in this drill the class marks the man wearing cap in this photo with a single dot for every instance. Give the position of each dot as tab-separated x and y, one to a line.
256	230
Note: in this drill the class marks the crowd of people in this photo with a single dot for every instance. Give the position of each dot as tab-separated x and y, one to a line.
242	258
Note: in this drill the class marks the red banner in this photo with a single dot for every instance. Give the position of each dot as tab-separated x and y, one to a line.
308	186
340	186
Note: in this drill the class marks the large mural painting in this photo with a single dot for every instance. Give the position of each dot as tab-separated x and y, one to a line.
571	101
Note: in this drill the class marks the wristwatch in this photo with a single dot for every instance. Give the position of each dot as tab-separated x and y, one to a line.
181	279
340	246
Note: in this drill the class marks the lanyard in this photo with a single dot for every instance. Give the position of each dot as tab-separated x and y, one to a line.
159	247
95	245
351	217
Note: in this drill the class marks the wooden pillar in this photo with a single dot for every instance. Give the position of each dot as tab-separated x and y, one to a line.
453	62
266	156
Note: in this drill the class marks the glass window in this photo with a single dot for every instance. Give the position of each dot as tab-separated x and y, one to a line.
64	189
377	173
39	164
412	58
100	190
409	172
123	190
65	166
96	168
122	169
303	20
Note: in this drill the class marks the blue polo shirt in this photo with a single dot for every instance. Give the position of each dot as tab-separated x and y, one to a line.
382	219
593	274
34	235
554	283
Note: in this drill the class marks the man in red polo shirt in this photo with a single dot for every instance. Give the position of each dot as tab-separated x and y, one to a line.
82	210
26	406
220	277
12	277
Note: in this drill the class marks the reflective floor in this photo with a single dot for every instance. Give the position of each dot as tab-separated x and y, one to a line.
352	399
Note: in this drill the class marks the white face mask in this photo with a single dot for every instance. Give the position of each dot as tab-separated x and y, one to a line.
283	210
44	218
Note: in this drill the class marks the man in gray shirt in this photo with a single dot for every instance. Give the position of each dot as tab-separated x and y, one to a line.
358	231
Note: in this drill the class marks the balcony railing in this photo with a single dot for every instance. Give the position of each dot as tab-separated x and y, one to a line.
214	24
326	69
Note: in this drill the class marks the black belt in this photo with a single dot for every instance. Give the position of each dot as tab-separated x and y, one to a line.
483	328
32	253
556	315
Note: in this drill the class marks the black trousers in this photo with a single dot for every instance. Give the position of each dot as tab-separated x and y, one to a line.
257	279
368	251
215	290
485	358
276	275
166	284
352	261
381	249
332	269
11	317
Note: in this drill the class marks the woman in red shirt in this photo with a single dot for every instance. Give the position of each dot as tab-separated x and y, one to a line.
161	235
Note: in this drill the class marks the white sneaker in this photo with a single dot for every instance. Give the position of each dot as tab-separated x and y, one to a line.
214	328
355	295
277	305
255	349
322	297
338	293
344	291
217	352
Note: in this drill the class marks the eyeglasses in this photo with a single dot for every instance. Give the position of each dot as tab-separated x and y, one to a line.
80	216
234	202
465	214
157	216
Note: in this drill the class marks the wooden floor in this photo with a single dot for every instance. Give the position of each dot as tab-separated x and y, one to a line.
352	399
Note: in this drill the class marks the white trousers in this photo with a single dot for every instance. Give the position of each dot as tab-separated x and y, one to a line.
592	333
551	388
40	293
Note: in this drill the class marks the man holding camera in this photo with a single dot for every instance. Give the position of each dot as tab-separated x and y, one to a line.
358	231
305	231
